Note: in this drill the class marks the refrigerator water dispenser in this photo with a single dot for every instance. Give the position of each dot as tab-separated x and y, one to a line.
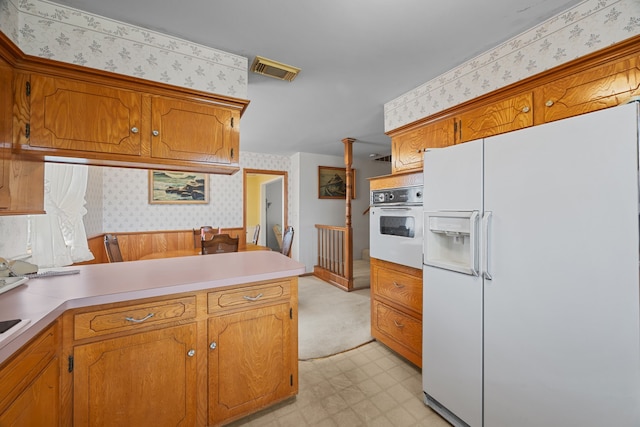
450	241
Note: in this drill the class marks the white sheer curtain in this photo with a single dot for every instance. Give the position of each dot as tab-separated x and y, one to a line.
58	238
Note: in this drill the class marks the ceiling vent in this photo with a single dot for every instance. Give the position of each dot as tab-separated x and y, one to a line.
379	158
274	69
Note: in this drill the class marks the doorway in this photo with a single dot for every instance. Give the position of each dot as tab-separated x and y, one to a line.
265	204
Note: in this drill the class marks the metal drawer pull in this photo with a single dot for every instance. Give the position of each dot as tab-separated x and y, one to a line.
398	325
191	352
155	133
256	298
134	130
525	110
398	285
131	319
213	345
549	103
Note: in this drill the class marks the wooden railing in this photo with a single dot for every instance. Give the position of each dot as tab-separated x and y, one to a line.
335	244
335	261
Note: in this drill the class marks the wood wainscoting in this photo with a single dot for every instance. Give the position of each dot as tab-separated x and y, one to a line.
136	244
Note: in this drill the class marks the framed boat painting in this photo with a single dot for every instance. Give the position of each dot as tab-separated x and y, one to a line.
167	187
332	183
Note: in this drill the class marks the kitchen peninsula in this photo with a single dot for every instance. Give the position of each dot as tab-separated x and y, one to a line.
198	340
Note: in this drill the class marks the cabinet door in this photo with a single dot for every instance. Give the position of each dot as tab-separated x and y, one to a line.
184	130
250	362
148	377
496	118
601	87
6	79
76	116
39	404
408	148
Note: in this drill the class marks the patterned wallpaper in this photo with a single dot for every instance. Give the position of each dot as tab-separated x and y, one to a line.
590	26
125	206
48	30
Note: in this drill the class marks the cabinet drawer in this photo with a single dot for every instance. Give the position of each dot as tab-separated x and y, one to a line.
401	288
248	296
121	319
398	326
16	375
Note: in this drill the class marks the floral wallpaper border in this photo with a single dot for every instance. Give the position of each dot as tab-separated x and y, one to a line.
49	30
589	26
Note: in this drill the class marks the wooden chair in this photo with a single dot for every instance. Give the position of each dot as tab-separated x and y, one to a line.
112	248
207	231
256	234
220	243
287	240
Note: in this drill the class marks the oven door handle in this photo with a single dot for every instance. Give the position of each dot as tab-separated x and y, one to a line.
395	208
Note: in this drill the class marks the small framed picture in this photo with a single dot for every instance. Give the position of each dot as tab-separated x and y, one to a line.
332	183
178	187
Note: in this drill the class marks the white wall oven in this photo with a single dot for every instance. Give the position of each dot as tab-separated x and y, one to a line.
396	225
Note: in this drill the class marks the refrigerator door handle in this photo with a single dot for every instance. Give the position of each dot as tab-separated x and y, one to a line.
486	260
473	220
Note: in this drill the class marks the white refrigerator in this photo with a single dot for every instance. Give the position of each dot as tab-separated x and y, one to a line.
531	276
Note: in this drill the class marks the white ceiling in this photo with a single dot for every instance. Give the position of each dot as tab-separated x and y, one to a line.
355	56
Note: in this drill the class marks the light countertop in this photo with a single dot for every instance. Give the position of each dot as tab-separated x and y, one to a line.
42	300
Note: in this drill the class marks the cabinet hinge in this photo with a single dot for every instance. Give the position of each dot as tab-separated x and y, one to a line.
231	121
291	313
27	130
232	153
28	88
291	380
70	367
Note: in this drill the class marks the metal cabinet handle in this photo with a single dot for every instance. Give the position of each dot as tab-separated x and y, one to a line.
256	298
134	130
213	345
155	133
526	109
191	353
398	285
131	319
549	103
398	325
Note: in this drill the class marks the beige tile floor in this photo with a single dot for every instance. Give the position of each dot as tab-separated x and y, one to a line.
367	386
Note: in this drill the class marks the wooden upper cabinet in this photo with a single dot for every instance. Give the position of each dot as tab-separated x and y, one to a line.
408	147
79	116
6	82
21	180
496	118
109	121
194	132
597	88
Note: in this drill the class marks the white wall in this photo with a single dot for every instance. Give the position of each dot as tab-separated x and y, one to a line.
313	210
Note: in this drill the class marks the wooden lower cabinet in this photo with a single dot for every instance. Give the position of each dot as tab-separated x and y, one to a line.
396	308
195	359
30	383
137	378
39	404
250	363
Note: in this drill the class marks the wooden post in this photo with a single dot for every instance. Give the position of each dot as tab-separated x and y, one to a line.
348	244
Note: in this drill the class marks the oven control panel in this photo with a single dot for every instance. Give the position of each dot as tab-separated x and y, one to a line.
397	196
